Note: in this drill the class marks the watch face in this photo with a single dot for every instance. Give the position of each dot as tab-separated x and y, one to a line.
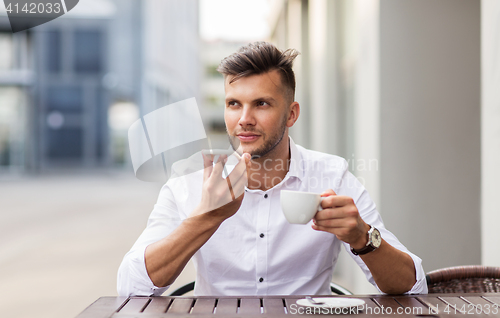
376	238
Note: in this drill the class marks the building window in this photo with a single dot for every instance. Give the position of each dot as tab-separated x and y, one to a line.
53	51
88	51
65	99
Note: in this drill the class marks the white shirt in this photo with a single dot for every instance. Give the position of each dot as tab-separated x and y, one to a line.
256	251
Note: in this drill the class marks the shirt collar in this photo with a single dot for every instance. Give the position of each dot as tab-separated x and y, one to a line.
295	162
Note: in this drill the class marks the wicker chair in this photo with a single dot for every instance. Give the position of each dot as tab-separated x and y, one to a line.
464	279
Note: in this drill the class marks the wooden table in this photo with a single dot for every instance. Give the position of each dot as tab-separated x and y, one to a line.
421	306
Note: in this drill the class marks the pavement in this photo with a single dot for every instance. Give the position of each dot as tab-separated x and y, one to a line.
63	236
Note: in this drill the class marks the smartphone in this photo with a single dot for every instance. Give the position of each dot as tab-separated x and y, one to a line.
216	153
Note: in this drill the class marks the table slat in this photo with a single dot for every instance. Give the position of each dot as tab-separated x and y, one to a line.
481	306
180	306
417	308
273	306
226	306
158	305
134	305
387	302
249	306
457	303
477	300
204	306
436	306
103	307
493	299
495	309
289	301
370	305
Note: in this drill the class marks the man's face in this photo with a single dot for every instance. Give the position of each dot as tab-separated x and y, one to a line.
257	113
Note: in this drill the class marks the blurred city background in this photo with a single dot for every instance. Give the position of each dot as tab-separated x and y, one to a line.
406	91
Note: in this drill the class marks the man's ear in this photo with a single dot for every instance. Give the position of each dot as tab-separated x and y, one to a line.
293	114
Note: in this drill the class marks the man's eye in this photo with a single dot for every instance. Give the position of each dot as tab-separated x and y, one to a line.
262	103
232	103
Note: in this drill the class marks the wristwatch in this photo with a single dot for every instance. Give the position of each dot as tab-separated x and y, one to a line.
374	241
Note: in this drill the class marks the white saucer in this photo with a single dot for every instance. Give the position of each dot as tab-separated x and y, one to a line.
332	302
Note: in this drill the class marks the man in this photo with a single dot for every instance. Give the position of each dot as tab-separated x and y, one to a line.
239	240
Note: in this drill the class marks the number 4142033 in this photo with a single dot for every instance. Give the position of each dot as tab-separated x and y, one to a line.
33	8
470	309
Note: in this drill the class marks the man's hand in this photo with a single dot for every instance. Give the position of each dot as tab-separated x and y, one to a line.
220	199
340	216
392	269
220	196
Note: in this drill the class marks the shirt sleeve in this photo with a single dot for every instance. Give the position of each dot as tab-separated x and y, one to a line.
352	187
133	279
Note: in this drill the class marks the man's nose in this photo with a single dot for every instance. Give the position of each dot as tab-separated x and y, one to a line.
246	118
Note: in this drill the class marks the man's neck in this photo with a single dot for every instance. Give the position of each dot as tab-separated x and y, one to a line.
268	171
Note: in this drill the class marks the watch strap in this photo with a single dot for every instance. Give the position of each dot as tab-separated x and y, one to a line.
364	250
369	246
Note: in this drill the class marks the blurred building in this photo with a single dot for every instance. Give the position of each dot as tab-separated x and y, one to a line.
170	47
212	87
60	104
70	88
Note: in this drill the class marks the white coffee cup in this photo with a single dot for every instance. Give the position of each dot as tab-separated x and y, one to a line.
300	207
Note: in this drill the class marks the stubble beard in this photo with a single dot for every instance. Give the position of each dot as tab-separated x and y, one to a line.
268	145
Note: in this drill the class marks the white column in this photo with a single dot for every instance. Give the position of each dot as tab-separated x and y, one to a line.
366	109
295	25
367	97
325	132
490	131
361	64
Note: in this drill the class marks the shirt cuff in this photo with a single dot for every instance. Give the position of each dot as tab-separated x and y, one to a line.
133	278
420	286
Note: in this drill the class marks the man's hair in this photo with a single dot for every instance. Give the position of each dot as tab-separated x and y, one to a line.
258	58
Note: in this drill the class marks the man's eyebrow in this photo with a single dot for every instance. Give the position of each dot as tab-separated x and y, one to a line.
263	98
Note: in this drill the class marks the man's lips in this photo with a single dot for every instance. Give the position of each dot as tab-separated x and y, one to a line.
247	137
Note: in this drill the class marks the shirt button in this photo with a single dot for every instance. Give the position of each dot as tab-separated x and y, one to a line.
265	196
261	279
261	235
